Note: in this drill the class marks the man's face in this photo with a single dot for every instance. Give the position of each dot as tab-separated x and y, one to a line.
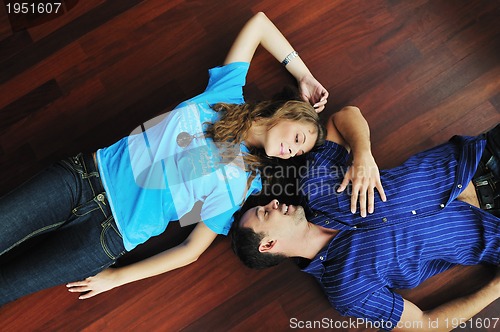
274	219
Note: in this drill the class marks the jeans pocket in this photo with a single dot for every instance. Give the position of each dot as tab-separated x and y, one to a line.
111	239
75	163
85	208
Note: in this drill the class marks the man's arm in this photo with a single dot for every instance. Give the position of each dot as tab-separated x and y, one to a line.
349	128
259	30
446	316
185	253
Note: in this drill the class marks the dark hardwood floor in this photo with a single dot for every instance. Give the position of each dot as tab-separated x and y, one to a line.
420	70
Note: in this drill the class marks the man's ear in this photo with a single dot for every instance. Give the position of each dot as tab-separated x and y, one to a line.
266	245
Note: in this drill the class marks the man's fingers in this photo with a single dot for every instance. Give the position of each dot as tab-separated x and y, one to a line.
381	192
362	203
354	201
344	183
371	199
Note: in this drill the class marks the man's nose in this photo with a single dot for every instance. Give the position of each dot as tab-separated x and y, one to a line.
273	204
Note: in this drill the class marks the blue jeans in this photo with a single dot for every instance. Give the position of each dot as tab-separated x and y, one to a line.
56	228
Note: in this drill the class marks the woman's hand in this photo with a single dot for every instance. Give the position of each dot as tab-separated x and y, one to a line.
259	30
365	177
97	284
181	255
312	91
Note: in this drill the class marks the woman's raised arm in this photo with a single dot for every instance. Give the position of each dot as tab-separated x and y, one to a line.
259	30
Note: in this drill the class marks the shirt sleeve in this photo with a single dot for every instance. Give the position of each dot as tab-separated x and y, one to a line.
226	83
221	224
383	307
219	207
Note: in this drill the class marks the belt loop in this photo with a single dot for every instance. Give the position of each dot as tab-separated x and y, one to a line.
92	174
487	191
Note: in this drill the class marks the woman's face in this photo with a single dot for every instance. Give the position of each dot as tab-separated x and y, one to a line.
289	139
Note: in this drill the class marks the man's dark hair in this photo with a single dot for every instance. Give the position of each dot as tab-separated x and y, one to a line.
245	244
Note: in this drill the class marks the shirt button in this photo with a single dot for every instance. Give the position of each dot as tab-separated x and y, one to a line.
441	205
321	258
413	212
315	214
327	222
384	219
459	186
354	227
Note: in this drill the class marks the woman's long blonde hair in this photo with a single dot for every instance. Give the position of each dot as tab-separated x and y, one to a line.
236	120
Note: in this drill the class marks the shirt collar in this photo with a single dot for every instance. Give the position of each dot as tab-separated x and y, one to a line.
316	266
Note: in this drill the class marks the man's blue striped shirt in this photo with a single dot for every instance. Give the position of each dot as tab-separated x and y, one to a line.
420	231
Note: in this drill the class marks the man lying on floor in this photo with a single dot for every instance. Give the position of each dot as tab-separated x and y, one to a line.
441	210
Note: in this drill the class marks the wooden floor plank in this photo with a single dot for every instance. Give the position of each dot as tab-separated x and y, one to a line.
77	9
5	28
33	53
48	68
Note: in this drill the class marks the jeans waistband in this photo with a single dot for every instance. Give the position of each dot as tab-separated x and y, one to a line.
90	172
487	179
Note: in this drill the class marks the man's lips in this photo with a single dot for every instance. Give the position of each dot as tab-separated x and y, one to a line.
286	209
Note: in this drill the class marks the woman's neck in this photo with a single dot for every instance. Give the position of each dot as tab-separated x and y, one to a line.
255	136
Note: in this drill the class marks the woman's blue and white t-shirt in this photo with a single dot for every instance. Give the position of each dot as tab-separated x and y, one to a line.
151	179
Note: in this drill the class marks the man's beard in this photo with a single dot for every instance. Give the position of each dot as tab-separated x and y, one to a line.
299	215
